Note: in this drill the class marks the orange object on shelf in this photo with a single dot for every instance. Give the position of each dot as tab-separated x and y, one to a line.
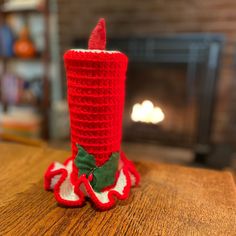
24	47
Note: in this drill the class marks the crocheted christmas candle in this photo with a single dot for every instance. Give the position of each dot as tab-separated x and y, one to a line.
96	90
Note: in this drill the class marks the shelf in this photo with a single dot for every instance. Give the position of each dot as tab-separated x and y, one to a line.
36	58
40	8
37	106
22	9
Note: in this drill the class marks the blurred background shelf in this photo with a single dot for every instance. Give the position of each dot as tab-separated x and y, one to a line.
26	64
22	11
23	6
35	58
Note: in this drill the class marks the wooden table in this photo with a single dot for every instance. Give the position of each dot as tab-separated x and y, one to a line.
171	200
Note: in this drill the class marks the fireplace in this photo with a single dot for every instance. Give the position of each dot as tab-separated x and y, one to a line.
159	106
170	94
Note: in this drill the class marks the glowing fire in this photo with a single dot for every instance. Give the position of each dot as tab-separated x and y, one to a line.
147	112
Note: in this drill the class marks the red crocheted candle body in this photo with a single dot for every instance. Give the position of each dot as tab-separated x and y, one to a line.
96	90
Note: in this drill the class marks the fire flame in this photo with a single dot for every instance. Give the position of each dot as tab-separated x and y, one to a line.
147	112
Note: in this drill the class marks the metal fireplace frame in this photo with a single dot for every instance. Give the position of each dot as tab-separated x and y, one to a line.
190	49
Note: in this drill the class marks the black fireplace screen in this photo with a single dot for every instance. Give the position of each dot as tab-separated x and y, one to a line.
170	88
158	106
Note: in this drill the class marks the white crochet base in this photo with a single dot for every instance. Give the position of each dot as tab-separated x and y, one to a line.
71	191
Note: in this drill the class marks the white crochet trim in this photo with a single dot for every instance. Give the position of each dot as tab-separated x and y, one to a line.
56	178
94	50
119	187
66	189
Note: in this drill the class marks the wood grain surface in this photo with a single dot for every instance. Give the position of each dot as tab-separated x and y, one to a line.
170	200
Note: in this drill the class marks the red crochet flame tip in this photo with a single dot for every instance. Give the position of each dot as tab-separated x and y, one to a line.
97	38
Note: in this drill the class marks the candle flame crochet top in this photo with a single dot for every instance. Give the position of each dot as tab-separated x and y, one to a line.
96	91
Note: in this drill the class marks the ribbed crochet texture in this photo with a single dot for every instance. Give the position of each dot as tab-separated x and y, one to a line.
96	91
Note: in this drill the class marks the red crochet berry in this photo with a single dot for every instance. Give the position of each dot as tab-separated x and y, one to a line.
90	178
97	38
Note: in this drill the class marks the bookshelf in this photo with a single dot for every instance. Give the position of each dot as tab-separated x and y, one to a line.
42	58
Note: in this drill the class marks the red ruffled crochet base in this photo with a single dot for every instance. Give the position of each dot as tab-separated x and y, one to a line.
71	190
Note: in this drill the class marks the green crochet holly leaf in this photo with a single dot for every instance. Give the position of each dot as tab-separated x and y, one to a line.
104	175
84	162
